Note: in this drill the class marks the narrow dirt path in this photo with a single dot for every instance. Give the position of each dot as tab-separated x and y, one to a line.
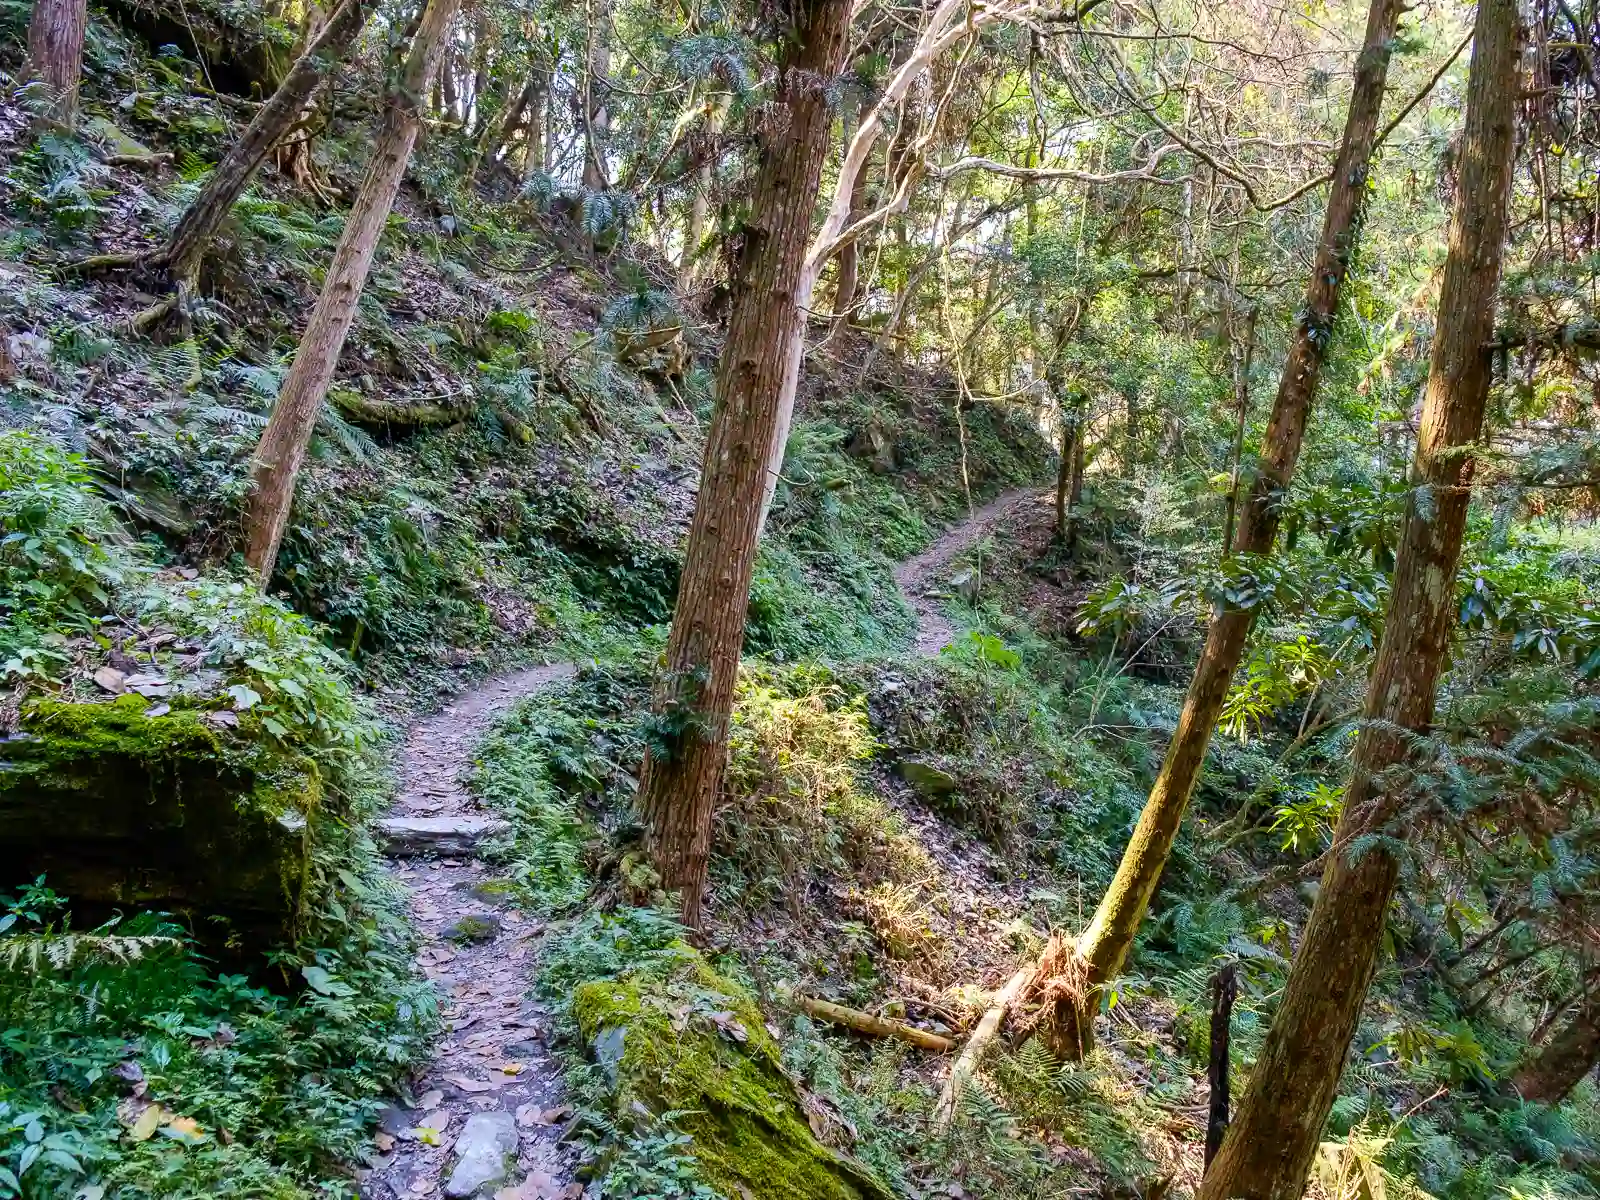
915	576
493	1093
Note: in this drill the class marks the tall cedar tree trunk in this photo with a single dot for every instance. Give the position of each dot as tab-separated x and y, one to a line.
55	55
1571	1053
1270	1146
200	221
677	793
284	441
1105	943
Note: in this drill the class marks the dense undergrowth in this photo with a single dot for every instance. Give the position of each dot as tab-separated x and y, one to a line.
131	1057
896	833
156	1055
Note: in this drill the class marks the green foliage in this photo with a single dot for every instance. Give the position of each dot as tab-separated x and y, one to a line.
1305	824
254	1093
796	807
62	554
57	183
562	746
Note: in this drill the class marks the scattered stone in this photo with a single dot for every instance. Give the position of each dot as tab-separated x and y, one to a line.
404	837
927	780
968	585
394	1121
477	927
497	893
483	1153
112	680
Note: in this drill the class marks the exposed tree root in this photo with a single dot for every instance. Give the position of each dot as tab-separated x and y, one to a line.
390	412
96	263
1061	1002
174	306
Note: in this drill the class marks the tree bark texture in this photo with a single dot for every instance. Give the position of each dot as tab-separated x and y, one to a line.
1270	1147
1107	940
1224	990
55	55
288	433
223	187
597	83
848	283
695	697
1570	1053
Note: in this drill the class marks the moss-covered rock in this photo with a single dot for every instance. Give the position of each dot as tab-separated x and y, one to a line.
119	808
677	1037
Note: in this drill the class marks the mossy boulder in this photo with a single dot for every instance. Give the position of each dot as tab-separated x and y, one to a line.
677	1037
119	809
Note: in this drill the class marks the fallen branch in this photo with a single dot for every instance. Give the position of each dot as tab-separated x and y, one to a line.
864	1022
143	161
967	1065
398	413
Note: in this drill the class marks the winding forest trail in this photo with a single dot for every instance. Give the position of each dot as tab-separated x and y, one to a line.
493	1089
915	575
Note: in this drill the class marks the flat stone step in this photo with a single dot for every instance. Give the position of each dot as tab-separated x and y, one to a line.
407	837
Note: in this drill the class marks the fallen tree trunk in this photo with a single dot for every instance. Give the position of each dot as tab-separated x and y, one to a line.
864	1022
393	412
967	1065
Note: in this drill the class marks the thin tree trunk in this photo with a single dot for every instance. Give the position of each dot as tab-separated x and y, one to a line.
538	124
1270	1147
516	116
677	791
849	278
1548	1074
200	221
1064	474
1109	936
55	55
475	107
1224	990
596	116
700	204
1242	358
288	433
944	25
1075	487
491	134
1069	475
449	95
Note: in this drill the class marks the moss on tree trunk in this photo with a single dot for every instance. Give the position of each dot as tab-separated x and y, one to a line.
1270	1147
1104	945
